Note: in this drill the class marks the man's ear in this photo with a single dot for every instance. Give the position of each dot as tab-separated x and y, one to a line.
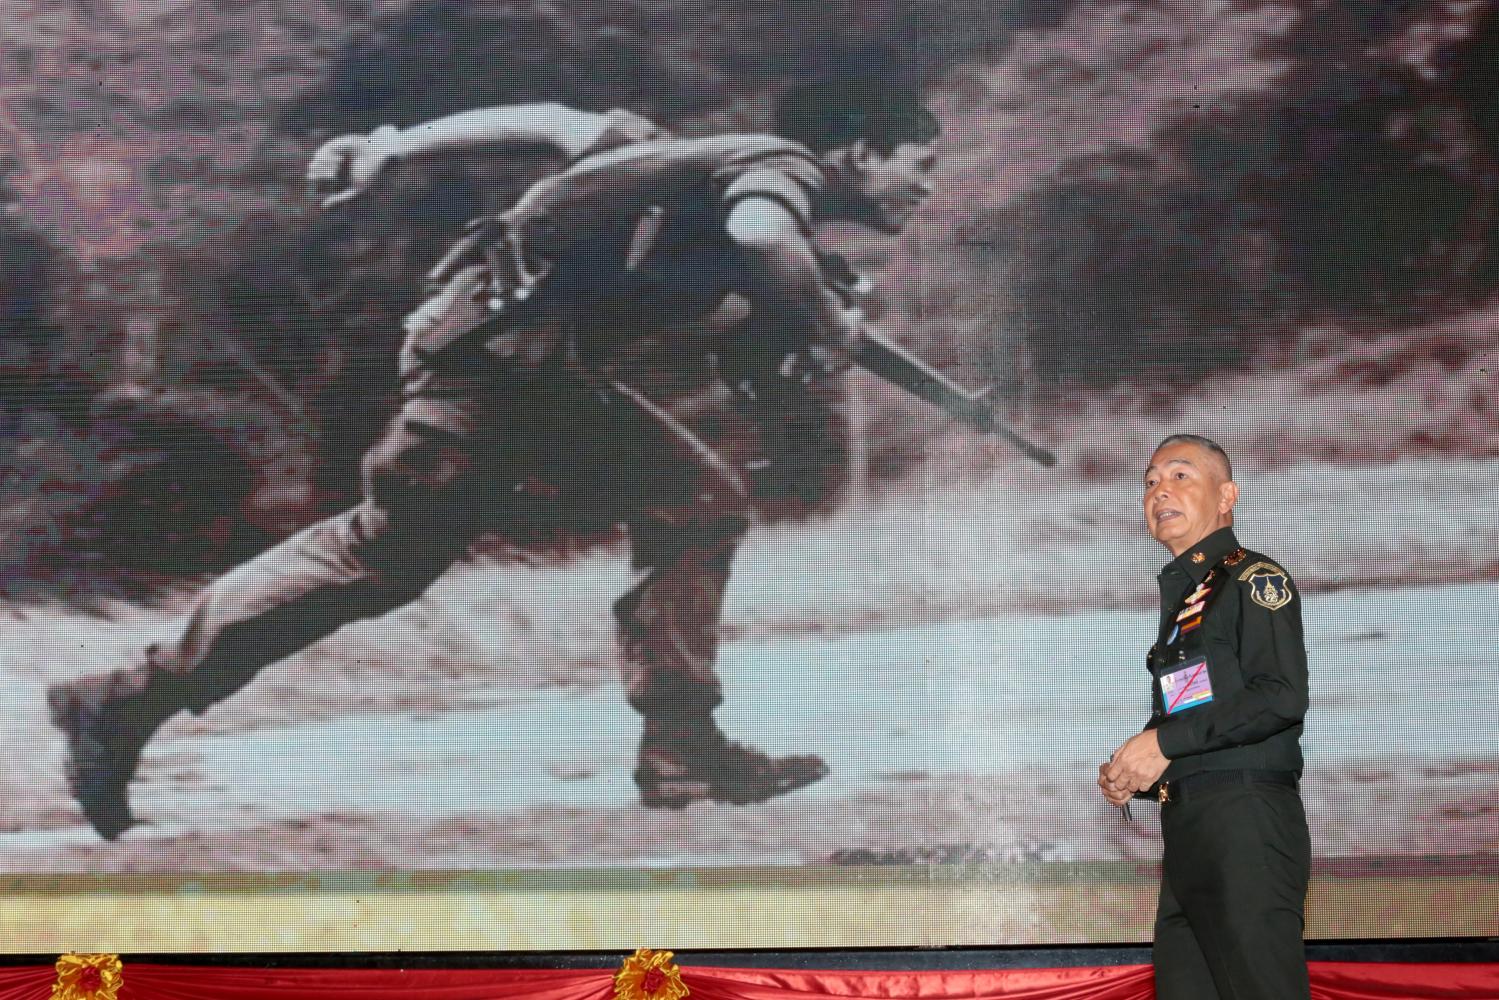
858	155
1228	495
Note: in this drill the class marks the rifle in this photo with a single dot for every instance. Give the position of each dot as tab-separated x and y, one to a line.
512	281
881	356
885	358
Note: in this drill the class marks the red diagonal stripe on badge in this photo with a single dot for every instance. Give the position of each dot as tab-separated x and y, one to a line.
1200	667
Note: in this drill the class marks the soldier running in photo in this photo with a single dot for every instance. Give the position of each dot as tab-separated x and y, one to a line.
509	410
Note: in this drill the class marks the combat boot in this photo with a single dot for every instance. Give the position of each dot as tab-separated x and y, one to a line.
681	764
107	719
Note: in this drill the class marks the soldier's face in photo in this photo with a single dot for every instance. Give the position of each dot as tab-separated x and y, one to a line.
1188	496
894	184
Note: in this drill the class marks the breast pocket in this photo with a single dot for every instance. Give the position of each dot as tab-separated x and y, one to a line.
1223	661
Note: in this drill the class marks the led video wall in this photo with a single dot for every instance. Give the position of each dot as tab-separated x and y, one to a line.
489	477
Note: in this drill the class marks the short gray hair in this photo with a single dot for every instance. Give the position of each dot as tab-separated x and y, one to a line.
1201	442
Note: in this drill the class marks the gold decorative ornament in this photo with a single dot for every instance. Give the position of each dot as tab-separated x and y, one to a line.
649	975
88	977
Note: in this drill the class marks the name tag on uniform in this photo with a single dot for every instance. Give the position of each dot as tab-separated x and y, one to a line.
1187	686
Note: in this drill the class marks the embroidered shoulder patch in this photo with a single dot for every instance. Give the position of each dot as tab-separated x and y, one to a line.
1255	567
1269	588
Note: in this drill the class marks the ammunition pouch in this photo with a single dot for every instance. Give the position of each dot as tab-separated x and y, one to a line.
478	296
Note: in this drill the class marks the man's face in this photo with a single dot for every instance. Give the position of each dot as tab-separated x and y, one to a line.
895	185
1188	495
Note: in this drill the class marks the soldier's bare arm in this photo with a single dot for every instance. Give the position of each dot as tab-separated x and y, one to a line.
788	284
345	167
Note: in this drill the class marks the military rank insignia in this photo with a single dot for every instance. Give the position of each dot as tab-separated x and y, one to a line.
1268	587
1186	627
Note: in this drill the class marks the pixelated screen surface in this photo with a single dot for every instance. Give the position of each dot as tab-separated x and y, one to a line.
643	563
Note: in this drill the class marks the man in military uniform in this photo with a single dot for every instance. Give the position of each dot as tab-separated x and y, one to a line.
510	412
1221	751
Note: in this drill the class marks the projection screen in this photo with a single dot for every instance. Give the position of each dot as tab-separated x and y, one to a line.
416	724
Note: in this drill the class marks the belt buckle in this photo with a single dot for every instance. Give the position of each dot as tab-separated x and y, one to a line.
1162	793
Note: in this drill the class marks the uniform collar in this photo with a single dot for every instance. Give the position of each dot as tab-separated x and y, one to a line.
1196	561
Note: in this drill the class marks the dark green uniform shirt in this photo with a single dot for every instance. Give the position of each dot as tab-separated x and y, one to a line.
1252	638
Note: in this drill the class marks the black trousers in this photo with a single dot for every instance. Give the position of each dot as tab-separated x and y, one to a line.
1230	920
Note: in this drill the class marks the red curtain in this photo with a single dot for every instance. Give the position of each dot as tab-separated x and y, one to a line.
1330	981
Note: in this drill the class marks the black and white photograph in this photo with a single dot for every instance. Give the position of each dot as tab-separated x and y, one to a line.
471	465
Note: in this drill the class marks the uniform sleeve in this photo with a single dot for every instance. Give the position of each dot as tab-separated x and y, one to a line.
767	202
787	180
1272	661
